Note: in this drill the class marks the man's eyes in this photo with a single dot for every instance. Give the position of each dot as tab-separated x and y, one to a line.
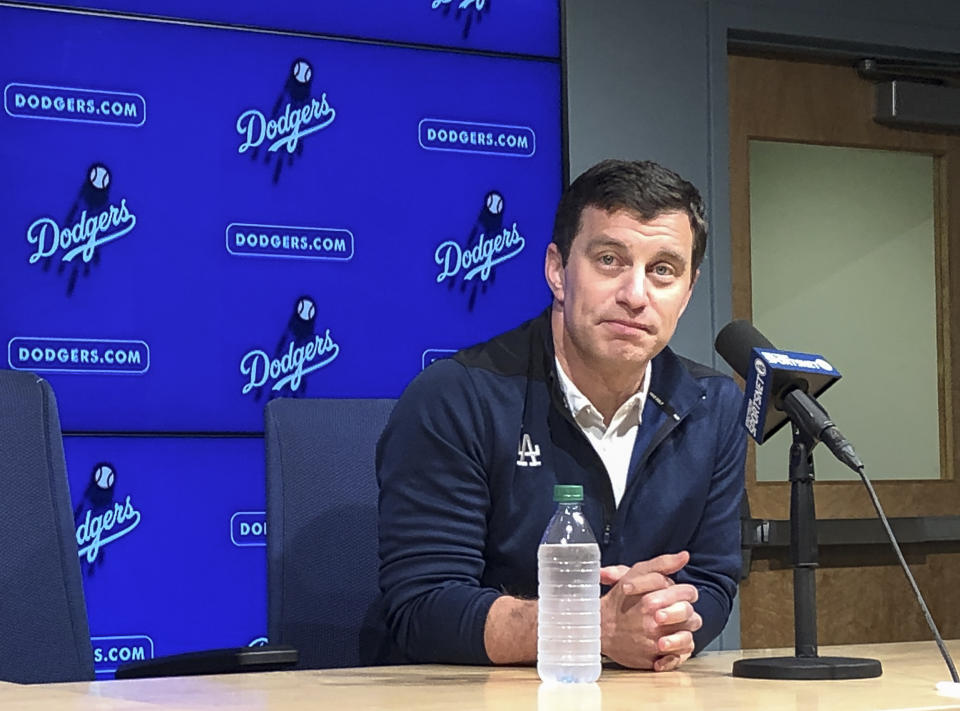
663	270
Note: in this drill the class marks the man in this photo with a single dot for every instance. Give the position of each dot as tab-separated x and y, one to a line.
588	393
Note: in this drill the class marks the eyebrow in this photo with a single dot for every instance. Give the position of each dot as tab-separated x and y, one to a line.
605	241
671	254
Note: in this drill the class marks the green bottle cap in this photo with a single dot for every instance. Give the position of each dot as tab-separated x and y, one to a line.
568	493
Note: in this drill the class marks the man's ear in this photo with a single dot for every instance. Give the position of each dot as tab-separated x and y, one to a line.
553	271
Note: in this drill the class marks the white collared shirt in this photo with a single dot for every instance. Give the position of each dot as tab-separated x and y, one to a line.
613	442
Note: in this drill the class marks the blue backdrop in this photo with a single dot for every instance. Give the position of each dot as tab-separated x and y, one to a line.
200	216
181	564
191	261
514	26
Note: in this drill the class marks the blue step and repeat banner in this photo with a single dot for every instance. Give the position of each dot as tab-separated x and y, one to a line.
209	206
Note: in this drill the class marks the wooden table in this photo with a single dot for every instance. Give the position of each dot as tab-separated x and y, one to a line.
910	673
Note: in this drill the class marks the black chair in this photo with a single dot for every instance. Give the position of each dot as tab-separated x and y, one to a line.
322	542
44	636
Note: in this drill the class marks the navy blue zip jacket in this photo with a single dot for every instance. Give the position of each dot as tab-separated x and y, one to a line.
463	504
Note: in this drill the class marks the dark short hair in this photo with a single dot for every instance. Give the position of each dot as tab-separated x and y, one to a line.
641	187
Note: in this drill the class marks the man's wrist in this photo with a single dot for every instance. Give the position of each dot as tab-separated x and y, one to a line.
510	632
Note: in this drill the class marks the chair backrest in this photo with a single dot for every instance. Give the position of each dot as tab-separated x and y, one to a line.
322	542
44	636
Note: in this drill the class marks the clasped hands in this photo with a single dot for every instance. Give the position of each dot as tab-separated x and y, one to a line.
648	620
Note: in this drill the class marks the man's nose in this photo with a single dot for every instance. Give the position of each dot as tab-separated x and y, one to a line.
633	289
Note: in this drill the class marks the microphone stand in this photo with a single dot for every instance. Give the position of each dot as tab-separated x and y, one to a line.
805	664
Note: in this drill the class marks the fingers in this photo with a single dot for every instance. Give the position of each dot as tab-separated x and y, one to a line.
678	643
687	622
674	614
648	575
691	624
634	583
611	574
682	592
667	563
669	662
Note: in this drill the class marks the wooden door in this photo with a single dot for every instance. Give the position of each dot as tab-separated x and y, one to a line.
862	594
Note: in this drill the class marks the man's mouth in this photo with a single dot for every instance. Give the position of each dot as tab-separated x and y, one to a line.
628	327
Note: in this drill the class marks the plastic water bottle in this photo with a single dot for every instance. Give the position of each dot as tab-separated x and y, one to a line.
568	632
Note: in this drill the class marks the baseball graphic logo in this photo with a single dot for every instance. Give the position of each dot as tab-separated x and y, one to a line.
494	202
101	517
296	114
73	243
471	11
99	176
302	71
306	309
301	349
491	242
104	476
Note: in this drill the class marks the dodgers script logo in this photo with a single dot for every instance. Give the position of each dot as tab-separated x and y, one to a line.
296	114
300	351
100	518
92	221
488	244
466	10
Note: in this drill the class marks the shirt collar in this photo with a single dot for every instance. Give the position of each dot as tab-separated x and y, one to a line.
580	405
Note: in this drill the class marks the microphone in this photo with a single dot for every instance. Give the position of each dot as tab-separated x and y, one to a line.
784	378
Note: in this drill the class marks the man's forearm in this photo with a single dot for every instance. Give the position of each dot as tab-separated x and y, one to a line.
510	632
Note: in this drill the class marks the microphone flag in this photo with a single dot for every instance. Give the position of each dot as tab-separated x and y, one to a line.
771	375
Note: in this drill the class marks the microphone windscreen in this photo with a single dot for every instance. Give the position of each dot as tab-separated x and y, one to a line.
735	343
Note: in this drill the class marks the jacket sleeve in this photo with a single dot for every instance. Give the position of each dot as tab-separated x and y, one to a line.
434	501
715	557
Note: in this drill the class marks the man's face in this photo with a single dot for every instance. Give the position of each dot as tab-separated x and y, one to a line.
624	287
